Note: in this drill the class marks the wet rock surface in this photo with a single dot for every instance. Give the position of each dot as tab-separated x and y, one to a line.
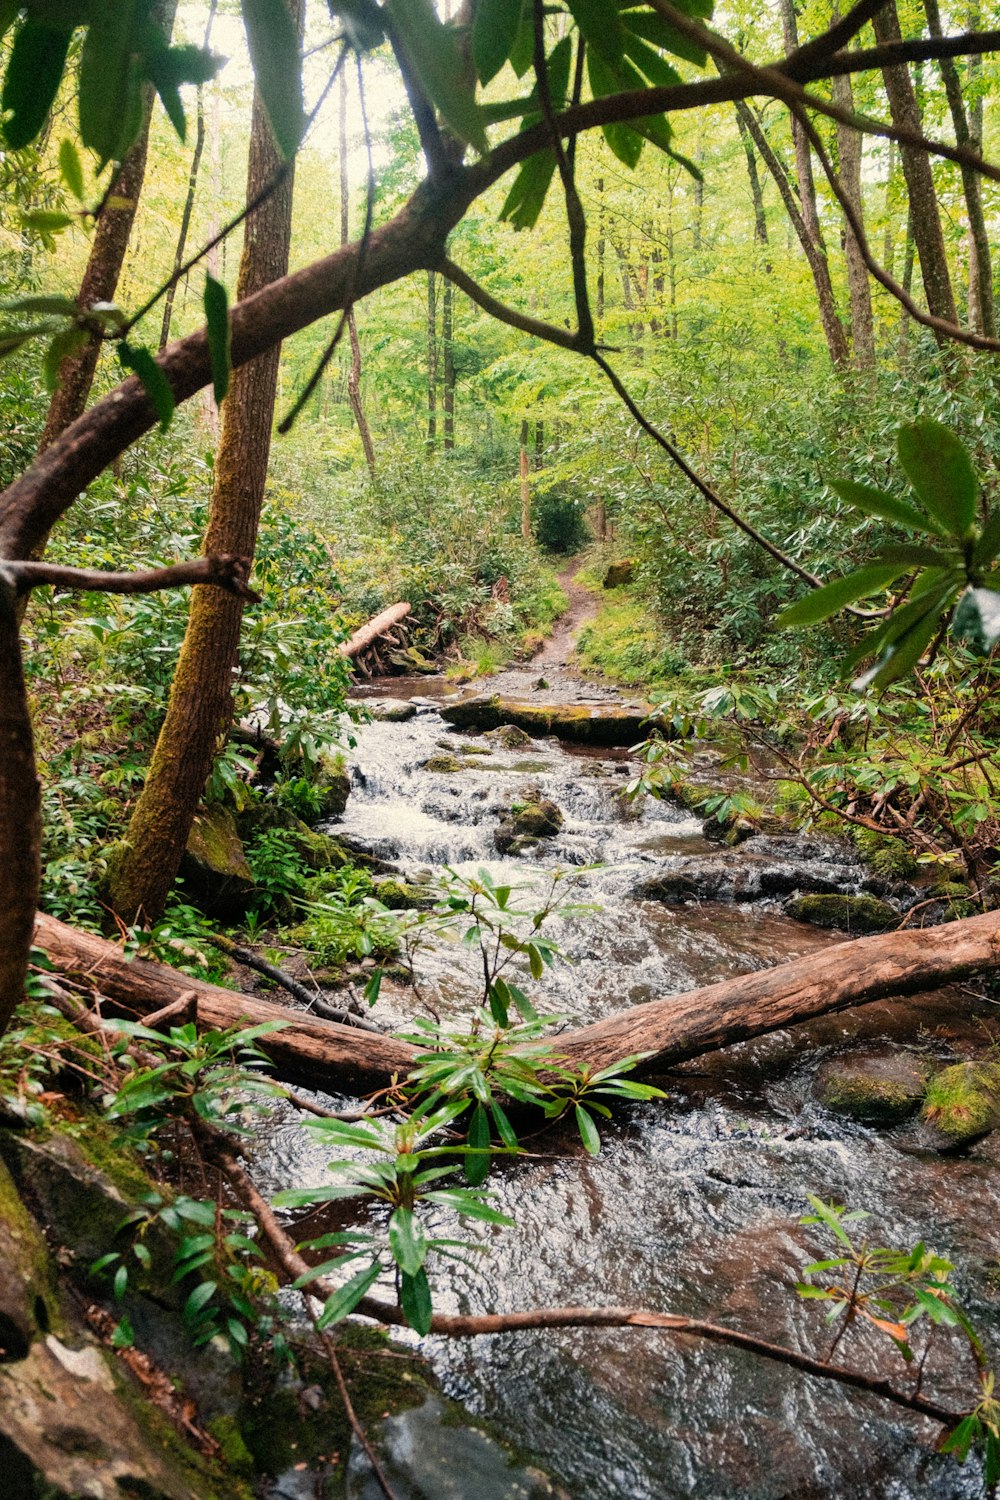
848	913
877	1089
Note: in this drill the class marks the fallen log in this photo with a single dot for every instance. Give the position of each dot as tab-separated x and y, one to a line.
309	1052
323	1054
363	637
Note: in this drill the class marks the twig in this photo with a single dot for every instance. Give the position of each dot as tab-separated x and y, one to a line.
351	1414
295	989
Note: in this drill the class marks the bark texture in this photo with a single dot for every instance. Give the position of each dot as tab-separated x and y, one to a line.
200	704
20	813
858	285
394	615
319	1054
925	219
354	371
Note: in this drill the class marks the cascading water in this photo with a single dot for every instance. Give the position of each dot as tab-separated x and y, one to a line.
693	1204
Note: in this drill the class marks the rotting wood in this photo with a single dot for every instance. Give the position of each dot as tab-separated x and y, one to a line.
381	623
671	1030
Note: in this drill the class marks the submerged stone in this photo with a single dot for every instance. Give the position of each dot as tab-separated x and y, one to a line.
879	1089
850	913
391	710
443	765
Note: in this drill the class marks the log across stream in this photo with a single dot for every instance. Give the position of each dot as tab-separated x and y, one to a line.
694	1203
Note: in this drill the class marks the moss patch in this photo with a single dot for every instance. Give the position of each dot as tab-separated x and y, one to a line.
874	1090
962	1102
850	913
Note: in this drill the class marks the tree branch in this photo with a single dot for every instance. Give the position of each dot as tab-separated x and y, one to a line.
223	569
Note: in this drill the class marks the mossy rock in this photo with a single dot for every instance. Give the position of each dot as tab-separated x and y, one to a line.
399	895
588	724
214	868
849	913
444	765
509	737
539	819
873	1089
316	850
962	1104
28	1300
333	783
734	829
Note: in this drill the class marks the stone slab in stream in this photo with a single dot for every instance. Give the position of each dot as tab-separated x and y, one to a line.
584	723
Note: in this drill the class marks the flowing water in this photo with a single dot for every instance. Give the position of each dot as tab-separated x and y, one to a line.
693	1204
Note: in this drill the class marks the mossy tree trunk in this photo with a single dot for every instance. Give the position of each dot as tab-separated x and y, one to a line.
200	705
20	814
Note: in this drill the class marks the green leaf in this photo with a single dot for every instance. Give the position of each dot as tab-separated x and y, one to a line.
415	1300
169	67
601	27
477	1162
47	220
649	62
653	28
822	603
494	33
589	1134
156	385
433	52
929	592
65	344
961	1438
109	80
903	655
526	198
219	331
977	620
123	1335
347	1297
407	1241
988	544
877	503
469	1205
71	168
274	52
199	1298
34	72
940	470
909	555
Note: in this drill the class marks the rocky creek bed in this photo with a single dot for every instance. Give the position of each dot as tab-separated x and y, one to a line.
693	1205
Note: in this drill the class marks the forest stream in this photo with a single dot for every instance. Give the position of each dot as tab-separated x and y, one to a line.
693	1204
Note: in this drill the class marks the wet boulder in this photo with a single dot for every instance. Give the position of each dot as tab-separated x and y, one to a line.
584	723
214	867
400	895
873	1088
528	822
962	1104
849	913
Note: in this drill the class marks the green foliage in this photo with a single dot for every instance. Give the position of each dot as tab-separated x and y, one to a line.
279	870
940	470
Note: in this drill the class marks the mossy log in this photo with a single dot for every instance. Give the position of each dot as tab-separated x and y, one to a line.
586	723
670	1030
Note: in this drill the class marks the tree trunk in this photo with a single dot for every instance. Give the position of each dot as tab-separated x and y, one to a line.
600	248
448	351
354	373
20	814
432	359
836	341
756	192
324	1054
925	219
981	313
524	481
192	188
146	864
849	172
394	615
104	264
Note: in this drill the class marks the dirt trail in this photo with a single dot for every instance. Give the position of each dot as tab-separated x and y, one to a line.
583	606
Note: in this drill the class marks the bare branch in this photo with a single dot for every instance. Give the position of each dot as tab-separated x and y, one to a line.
223	569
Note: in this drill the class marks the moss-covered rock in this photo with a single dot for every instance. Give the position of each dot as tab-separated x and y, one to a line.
214	868
528	822
850	913
316	850
588	724
962	1103
399	895
391	710
28	1303
509	737
879	1089
444	764
334	784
